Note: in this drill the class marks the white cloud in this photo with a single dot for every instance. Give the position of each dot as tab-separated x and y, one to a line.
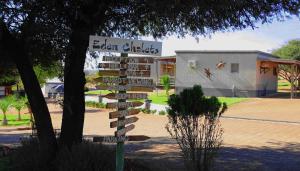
240	40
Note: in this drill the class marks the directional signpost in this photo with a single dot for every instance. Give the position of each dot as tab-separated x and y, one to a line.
126	96
125	88
120	73
123	73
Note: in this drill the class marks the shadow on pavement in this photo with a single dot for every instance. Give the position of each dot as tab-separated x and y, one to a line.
283	95
164	152
282	156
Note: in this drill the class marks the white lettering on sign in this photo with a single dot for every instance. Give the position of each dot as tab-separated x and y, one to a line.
138	73
131	96
135	67
123	113
112	139
107	44
147	60
124	130
130	81
119	87
125	88
119	123
124	104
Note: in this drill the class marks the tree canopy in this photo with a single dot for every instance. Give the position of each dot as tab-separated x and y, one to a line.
8	75
34	32
291	50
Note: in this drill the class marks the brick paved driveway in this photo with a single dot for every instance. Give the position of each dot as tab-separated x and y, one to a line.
260	134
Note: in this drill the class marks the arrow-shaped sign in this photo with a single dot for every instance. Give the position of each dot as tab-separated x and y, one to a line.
146	60
125	66
124	88
124	122
124	130
113	139
123	113
128	81
124	73
124	104
126	96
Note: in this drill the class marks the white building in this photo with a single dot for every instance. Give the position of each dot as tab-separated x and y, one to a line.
227	73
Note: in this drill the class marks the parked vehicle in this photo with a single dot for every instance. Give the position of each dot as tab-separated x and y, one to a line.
56	90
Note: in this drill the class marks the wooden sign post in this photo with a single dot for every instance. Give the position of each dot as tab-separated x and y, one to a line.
120	144
114	73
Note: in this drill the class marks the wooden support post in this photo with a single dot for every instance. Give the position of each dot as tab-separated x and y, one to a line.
292	80
157	75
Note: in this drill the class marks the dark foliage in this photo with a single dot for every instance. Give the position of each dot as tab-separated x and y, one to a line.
84	156
46	31
194	123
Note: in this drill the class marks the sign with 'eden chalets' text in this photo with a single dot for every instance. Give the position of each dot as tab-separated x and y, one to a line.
130	46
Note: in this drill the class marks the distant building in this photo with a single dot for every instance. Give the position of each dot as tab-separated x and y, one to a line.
5	90
50	84
165	65
227	73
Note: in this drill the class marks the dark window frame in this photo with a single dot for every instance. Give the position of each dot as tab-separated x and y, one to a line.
235	68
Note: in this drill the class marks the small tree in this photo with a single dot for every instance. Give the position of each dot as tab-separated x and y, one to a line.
5	104
19	103
194	123
291	50
165	81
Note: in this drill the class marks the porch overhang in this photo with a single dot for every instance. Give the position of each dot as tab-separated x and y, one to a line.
281	61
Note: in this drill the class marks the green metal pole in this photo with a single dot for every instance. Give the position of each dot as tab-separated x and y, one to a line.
120	145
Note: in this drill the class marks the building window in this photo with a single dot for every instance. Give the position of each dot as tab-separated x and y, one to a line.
167	69
234	68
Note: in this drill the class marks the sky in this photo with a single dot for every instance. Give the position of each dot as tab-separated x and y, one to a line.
266	38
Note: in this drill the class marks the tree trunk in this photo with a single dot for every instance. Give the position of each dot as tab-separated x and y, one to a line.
4	121
38	105
74	81
33	90
19	115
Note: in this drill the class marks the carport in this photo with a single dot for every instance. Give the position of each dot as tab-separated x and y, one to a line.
287	69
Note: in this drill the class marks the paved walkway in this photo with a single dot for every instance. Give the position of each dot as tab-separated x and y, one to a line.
259	134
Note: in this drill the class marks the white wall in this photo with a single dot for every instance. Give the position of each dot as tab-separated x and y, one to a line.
220	79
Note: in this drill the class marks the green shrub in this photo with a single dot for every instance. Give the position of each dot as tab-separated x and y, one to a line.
85	156
86	89
28	157
5	104
95	104
153	111
194	123
146	111
19	103
162	112
165	81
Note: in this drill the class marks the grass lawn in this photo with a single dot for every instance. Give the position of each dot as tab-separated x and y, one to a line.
12	119
283	84
102	92
231	100
161	98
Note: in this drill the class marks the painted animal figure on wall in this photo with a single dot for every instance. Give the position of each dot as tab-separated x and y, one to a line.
220	65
